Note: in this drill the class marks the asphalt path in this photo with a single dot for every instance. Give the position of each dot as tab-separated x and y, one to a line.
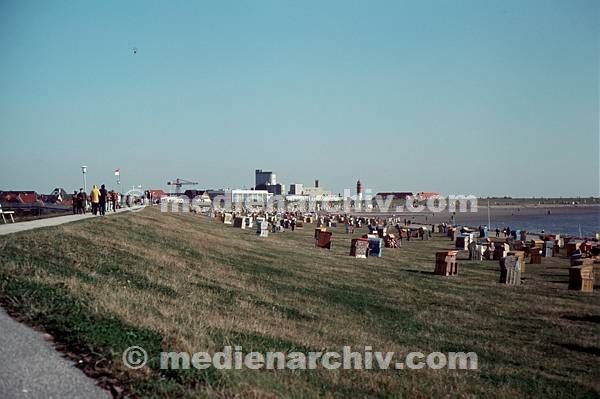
31	367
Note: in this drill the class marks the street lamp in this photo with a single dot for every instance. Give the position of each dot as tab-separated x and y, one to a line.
83	171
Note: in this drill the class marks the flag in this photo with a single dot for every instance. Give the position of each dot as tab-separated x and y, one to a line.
117	172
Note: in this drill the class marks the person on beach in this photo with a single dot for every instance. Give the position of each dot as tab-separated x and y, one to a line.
102	200
497	232
95	199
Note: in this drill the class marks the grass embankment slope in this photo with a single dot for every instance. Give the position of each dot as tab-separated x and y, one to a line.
179	282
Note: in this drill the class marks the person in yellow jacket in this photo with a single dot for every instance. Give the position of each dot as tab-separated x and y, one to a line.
95	199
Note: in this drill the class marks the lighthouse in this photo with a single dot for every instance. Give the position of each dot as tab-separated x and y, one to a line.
359	191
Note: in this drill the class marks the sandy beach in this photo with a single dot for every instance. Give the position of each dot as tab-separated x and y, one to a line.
497	211
557	218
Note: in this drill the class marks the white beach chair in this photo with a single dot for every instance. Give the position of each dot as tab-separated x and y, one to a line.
11	213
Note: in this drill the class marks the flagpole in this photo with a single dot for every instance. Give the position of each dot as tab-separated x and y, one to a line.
118	174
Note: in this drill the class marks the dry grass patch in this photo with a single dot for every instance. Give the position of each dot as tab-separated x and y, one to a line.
182	282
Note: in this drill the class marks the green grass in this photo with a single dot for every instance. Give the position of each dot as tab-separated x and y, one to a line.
180	282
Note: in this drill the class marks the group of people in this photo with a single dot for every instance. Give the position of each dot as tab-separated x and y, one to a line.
99	198
506	231
286	221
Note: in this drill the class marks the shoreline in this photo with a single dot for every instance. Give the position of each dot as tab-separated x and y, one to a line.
561	219
496	210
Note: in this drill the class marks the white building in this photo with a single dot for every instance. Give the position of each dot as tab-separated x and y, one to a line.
314	192
296	189
240	199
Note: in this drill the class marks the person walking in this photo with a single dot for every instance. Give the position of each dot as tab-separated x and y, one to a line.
95	199
74	202
81	202
103	198
113	200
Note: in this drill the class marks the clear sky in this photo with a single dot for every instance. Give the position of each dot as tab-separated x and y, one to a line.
465	97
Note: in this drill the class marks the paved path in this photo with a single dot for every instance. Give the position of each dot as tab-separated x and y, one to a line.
30	367
52	221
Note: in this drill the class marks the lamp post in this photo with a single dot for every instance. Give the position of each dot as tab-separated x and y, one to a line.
83	171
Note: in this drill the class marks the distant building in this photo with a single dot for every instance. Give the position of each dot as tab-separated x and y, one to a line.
313	191
296	189
398	195
155	195
318	193
191	194
212	194
267	180
199	199
247	198
422	196
57	195
275	189
264	177
30	202
297	198
19	197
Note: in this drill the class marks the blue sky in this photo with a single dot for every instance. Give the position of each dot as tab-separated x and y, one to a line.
470	97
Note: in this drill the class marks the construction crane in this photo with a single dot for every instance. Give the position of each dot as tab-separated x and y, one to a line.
180	182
